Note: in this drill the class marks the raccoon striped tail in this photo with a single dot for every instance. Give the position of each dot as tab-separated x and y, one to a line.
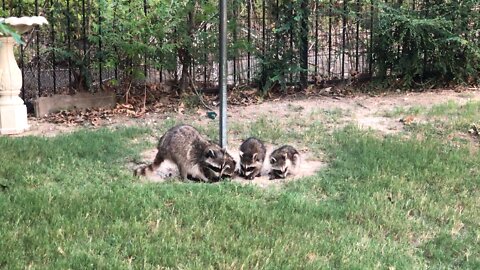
144	170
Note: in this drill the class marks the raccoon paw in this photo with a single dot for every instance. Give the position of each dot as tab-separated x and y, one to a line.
142	170
273	176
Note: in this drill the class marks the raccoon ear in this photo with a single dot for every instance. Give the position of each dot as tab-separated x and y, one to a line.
211	153
296	156
241	154
254	156
285	156
273	160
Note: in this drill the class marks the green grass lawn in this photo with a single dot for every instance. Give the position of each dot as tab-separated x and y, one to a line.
70	202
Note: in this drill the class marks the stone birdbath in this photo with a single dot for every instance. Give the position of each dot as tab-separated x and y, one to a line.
13	112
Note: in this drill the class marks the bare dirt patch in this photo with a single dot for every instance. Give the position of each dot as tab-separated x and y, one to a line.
366	111
307	167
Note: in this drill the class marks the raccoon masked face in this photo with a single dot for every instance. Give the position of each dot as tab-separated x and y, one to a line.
248	163
212	163
217	163
280	166
229	164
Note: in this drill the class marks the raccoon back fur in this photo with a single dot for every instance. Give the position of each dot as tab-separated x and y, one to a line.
195	156
252	155
284	161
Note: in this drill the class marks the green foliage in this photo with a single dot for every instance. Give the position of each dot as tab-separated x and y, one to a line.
413	41
279	58
436	41
163	34
71	203
5	30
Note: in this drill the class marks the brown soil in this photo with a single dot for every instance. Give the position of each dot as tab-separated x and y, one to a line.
307	167
367	111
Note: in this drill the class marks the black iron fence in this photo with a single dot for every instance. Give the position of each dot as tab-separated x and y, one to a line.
88	43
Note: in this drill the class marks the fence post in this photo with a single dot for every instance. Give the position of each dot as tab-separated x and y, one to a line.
37	35
357	37
145	12
54	65
249	36
304	44
100	53
223	73
69	46
235	15
316	40
22	54
329	62
344	33
370	62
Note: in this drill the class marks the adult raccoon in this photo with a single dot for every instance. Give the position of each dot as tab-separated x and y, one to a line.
284	161
252	155
195	156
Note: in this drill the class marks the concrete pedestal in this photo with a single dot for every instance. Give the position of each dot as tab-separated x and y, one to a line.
13	119
13	112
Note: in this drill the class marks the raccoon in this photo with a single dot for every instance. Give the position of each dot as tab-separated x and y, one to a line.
252	155
229	169
195	156
283	161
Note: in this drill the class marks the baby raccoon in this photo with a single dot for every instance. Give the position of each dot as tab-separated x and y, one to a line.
252	155
228	169
195	156
283	161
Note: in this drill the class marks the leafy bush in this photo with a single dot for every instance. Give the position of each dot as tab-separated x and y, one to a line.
280	58
437	41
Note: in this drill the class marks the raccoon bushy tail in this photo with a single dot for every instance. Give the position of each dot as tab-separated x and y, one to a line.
150	168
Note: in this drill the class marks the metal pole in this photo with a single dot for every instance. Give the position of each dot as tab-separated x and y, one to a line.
223	73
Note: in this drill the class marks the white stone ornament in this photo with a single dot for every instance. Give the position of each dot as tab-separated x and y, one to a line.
13	112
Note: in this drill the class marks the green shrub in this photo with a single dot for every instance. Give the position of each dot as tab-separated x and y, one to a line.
435	41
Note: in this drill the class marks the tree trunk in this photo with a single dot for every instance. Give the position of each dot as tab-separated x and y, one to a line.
185	56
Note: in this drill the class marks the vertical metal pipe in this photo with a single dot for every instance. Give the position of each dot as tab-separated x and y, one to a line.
39	82
54	65
223	73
